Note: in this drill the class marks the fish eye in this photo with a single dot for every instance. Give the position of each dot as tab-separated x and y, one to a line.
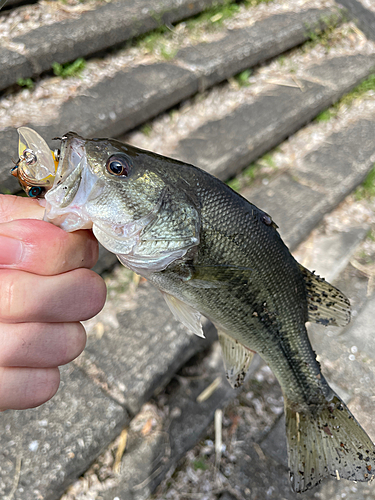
118	165
36	191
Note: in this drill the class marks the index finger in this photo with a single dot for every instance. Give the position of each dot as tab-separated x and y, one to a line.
17	207
41	248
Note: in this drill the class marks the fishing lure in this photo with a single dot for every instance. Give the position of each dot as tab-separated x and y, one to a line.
36	165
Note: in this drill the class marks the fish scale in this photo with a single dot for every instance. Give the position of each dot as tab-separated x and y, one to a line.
233	231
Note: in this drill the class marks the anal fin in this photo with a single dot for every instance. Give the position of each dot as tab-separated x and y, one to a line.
326	304
237	359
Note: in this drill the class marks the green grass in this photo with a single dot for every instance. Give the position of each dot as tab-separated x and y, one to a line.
367	189
254	171
200	463
324	32
158	41
325	115
26	82
243	78
161	40
214	16
234	183
146	129
69	69
246	177
362	89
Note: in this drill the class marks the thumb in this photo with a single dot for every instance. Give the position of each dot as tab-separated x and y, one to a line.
17	207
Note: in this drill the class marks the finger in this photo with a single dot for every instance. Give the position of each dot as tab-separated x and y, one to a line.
74	296
17	207
42	248
22	388
40	345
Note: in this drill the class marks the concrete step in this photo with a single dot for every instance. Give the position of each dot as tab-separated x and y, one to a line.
278	111
134	96
363	16
93	31
135	347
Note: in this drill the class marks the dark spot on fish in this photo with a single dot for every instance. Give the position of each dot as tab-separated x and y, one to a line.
327	430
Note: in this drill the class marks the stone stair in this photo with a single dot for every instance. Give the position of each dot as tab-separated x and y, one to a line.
135	350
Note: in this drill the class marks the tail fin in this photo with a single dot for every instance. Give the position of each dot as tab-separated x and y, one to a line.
327	440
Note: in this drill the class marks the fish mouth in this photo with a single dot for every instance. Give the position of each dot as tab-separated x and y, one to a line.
75	184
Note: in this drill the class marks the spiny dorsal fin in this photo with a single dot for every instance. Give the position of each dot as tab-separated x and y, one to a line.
326	304
237	359
188	316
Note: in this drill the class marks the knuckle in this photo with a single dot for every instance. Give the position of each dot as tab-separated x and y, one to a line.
7	204
8	294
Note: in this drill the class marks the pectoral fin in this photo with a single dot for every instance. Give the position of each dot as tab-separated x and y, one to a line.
188	316
237	359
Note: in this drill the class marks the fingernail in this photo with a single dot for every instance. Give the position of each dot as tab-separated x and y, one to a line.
11	251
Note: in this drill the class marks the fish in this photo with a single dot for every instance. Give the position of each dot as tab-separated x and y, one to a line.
213	253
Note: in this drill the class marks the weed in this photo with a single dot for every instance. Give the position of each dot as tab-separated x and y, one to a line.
243	78
26	82
250	172
214	16
267	159
200	463
162	39
367	188
146	129
234	183
359	91
346	101
69	69
255	171
324	32
324	116
151	40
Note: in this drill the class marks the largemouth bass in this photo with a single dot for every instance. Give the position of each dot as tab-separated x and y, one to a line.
211	252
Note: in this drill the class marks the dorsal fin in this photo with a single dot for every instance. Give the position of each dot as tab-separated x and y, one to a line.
237	359
326	304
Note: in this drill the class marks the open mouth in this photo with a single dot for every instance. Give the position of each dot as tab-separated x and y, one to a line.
67	201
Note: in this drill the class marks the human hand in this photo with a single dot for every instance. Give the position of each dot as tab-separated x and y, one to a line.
46	289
